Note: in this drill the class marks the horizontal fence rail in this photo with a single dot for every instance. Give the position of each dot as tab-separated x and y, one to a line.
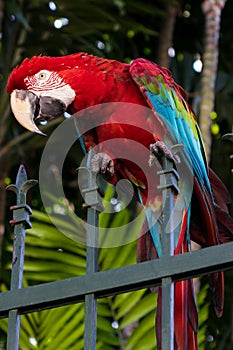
125	279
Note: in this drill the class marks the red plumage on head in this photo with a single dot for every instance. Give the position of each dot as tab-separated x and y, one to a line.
94	79
31	66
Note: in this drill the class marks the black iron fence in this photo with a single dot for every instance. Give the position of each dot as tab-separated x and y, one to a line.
98	284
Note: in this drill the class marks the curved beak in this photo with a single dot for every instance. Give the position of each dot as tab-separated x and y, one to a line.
24	104
28	108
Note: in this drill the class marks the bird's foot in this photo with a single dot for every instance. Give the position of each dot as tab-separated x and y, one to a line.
159	149
102	164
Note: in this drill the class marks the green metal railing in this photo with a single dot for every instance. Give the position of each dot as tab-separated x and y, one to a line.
162	272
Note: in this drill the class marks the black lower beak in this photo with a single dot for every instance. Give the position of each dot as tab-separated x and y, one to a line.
48	108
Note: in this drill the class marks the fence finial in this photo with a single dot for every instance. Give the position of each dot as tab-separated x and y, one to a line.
21	211
20	221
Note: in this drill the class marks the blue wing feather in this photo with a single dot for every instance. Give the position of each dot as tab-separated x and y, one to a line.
180	121
169	104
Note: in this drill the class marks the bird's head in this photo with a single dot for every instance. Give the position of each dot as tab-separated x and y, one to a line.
43	88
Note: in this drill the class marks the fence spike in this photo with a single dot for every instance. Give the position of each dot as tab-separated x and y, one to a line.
169	185
20	221
92	202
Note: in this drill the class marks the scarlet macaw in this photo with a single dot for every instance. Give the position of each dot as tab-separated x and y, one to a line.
42	88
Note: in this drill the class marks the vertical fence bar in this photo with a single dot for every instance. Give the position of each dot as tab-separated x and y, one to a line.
92	266
91	201
168	184
20	221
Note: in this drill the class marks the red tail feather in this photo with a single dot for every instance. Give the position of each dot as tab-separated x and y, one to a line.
222	199
221	194
225	226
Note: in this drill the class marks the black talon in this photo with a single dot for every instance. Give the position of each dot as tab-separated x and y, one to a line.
102	164
160	149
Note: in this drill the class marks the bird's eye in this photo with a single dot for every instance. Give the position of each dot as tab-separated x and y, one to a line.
42	76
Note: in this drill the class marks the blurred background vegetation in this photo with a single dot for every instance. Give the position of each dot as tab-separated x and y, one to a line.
169	32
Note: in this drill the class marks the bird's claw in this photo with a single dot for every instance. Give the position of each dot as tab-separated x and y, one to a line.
102	164
160	149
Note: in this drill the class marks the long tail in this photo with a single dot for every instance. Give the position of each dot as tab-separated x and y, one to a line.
214	220
185	312
210	225
207	235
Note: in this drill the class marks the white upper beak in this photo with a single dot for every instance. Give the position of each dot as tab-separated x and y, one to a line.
23	105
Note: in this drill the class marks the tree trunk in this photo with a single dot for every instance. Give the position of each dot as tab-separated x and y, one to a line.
166	35
212	10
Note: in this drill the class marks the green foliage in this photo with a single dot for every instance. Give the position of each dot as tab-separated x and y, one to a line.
51	256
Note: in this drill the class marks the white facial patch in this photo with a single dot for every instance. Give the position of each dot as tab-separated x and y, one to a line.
64	93
47	83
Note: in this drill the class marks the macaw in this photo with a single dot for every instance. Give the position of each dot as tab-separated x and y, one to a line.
42	88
